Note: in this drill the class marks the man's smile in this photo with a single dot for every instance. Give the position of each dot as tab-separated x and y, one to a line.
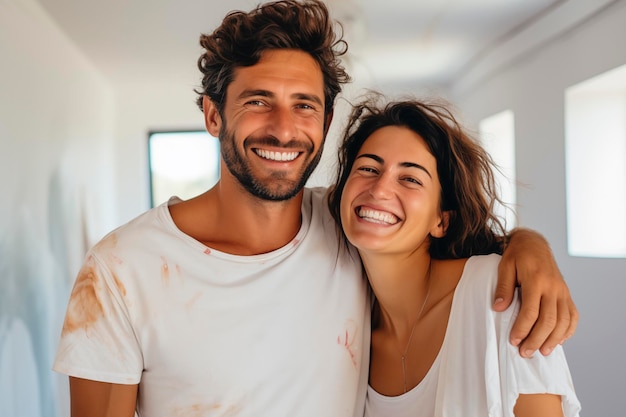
276	156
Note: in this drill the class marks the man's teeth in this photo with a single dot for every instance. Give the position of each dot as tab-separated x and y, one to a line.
377	216
277	156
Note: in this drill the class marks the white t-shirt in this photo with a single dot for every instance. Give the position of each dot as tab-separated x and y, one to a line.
477	372
208	333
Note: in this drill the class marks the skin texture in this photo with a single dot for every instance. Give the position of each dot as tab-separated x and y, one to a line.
284	124
372	189
390	208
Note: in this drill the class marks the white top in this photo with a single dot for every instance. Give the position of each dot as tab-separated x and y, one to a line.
477	372
207	333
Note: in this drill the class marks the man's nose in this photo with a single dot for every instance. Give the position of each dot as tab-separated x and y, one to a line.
282	124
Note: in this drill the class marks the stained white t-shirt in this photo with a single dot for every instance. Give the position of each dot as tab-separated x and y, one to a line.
203	332
477	372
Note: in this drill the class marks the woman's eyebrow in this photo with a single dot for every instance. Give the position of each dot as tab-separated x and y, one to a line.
372	156
403	164
414	165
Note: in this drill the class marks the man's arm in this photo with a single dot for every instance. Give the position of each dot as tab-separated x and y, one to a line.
101	399
547	314
545	405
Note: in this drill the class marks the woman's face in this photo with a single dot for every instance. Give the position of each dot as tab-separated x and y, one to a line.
391	200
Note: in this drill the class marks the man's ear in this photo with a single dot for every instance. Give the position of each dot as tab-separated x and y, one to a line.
328	119
212	118
441	228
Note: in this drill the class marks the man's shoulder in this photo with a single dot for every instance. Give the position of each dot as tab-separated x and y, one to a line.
133	233
315	199
317	193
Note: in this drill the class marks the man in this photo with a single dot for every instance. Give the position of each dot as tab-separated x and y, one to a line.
243	301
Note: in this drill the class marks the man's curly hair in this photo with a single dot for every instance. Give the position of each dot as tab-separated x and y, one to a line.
242	38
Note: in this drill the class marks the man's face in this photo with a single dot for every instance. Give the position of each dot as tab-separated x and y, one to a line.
272	126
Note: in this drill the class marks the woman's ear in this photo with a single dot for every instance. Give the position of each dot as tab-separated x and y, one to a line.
441	228
212	118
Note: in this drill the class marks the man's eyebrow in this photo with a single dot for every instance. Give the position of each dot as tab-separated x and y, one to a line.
402	164
252	93
266	93
310	97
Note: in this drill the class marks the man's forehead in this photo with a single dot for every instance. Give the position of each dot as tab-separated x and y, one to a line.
283	68
290	61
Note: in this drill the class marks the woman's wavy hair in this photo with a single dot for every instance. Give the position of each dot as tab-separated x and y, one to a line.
242	38
465	169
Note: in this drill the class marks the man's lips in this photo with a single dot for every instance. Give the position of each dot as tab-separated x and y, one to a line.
277	156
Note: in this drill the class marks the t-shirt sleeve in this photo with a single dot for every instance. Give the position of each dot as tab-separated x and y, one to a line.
481	372
537	375
98	341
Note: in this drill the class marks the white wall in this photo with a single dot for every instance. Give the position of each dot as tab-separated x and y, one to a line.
141	108
56	122
533	87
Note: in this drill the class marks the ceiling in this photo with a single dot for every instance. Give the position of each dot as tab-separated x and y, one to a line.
420	42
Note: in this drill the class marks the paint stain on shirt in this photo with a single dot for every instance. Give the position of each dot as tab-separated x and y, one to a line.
347	340
165	272
207	410
117	260
85	308
189	304
119	284
108	242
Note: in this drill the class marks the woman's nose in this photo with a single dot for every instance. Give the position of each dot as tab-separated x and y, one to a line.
381	187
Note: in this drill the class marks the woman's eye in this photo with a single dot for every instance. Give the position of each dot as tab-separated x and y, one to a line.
368	170
412	180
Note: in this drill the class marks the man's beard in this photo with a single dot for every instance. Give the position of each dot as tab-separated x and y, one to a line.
240	169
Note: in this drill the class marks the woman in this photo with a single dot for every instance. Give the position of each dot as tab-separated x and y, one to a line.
415	195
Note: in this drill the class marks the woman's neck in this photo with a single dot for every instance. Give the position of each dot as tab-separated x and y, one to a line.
401	284
414	300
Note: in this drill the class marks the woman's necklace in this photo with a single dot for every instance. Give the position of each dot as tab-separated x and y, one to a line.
406	349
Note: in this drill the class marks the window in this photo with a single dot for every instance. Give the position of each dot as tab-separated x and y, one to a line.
595	158
182	164
497	135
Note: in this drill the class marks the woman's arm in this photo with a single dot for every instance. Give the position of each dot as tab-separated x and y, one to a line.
101	399
533	405
547	315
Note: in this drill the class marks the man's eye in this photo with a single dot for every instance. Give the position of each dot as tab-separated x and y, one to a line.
306	107
255	103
